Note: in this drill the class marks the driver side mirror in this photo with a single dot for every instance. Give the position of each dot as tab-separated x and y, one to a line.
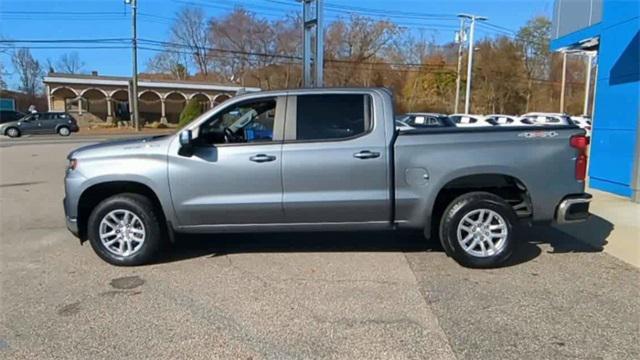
186	143
186	137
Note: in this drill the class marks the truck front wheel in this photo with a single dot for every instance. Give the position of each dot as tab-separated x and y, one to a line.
124	230
477	230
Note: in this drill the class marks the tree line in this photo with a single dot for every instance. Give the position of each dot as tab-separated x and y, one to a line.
511	74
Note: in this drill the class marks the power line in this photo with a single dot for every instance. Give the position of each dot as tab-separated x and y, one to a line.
37	41
512	35
372	11
64	13
72	47
498	27
175	47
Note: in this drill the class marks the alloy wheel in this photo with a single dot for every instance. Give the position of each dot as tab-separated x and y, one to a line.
482	233
122	232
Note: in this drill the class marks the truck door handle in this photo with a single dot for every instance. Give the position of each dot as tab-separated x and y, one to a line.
366	154
260	158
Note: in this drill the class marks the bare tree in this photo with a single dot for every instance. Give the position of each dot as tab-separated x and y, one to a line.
4	50
190	32
170	62
354	45
247	40
3	84
534	38
70	63
49	66
29	70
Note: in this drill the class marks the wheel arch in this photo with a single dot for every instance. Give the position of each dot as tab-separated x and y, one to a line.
57	128
94	194
504	184
6	130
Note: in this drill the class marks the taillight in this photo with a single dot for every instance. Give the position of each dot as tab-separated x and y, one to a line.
581	167
580	142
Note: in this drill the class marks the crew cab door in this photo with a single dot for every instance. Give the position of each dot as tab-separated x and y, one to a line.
334	160
233	174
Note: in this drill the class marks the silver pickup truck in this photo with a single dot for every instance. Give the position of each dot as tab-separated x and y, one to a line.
325	159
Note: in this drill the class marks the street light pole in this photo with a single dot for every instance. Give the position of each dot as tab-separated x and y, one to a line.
312	22
461	37
134	59
564	80
473	18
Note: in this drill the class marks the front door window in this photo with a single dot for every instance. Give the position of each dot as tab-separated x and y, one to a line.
247	122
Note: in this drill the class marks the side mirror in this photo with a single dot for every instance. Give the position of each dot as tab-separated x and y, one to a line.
185	137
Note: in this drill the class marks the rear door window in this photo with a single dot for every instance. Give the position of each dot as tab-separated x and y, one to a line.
332	116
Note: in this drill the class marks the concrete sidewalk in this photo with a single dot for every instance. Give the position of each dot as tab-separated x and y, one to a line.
614	226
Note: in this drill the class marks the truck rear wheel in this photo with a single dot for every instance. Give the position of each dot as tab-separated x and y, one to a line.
124	230
477	230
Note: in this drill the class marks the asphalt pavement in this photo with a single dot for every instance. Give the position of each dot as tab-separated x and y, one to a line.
362	295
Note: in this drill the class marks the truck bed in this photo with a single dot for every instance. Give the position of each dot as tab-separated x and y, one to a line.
427	160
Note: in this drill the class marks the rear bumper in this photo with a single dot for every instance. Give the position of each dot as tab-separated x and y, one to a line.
573	208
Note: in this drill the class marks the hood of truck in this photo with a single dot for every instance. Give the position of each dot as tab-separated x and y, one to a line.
121	147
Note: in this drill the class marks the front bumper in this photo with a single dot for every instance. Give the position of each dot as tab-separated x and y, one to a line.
573	208
72	223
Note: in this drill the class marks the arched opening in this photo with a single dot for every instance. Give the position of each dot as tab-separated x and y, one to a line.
95	102
120	101
174	103
150	106
63	99
220	98
203	101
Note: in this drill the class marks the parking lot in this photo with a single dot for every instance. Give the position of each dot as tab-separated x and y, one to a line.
297	295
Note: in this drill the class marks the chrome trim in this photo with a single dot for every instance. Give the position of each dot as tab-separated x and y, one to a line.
319	226
566	204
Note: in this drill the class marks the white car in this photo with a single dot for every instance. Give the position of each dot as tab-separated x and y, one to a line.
543	119
402	125
469	120
584	122
506	120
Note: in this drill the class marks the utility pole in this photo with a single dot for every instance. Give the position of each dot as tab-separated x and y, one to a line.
135	118
473	18
564	80
312	20
461	36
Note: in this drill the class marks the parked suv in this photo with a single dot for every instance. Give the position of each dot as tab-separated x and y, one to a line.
41	123
10	115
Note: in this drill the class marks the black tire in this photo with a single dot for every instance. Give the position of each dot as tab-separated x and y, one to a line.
64	131
142	207
467	204
12	132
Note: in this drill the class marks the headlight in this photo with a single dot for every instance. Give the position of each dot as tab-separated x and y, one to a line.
73	163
